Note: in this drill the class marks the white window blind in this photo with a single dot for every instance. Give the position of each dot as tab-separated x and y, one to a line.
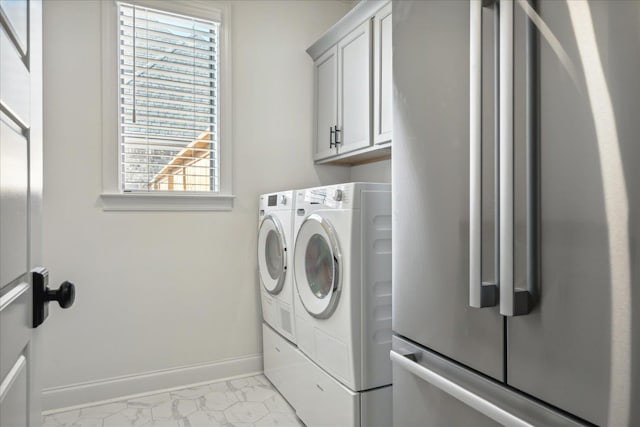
168	101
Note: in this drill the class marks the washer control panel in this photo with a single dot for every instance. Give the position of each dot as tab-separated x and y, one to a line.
281	200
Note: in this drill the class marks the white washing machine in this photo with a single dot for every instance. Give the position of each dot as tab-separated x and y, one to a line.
275	253
342	269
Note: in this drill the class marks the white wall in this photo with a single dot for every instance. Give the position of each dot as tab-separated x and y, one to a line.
379	171
159	290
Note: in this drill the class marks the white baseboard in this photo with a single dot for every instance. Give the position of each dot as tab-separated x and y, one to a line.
82	394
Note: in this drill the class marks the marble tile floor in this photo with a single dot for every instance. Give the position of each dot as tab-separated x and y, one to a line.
242	402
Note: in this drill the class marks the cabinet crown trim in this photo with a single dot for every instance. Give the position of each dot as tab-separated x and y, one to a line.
356	16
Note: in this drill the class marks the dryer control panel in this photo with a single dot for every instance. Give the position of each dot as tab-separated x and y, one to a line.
338	196
333	197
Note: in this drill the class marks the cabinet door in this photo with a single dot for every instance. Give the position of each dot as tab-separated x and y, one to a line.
326	97
354	89
382	78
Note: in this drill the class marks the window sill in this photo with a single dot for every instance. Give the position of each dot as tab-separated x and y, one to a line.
166	202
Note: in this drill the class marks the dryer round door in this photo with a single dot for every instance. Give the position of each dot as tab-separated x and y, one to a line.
272	254
317	266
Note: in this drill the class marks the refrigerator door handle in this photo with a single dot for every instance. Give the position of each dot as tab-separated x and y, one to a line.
480	404
480	294
513	302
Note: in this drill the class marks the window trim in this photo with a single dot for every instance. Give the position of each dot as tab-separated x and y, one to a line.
112	197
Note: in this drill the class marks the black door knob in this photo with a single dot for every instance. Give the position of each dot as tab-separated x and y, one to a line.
65	294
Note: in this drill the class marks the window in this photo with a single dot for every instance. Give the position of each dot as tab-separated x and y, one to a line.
168	101
165	94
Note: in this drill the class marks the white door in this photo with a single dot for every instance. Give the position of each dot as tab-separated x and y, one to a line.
20	205
317	266
382	78
23	292
326	103
354	90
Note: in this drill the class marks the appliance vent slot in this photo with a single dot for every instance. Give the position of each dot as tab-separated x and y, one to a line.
285	320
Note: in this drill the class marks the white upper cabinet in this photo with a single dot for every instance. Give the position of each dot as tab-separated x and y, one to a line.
354	90
353	87
326	103
382	77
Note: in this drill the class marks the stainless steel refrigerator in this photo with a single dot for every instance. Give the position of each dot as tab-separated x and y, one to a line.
516	209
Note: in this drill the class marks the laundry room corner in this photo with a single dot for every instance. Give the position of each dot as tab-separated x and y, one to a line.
164	296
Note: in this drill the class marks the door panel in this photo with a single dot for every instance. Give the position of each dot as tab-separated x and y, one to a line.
354	89
15	327
15	411
574	349
15	82
14	183
326	94
17	15
431	187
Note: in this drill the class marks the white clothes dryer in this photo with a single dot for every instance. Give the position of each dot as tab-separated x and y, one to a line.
342	269
275	250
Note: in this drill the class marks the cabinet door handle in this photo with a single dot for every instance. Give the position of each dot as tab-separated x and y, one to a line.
337	139
332	136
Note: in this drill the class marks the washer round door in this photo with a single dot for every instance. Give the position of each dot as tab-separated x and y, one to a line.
272	255
316	264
